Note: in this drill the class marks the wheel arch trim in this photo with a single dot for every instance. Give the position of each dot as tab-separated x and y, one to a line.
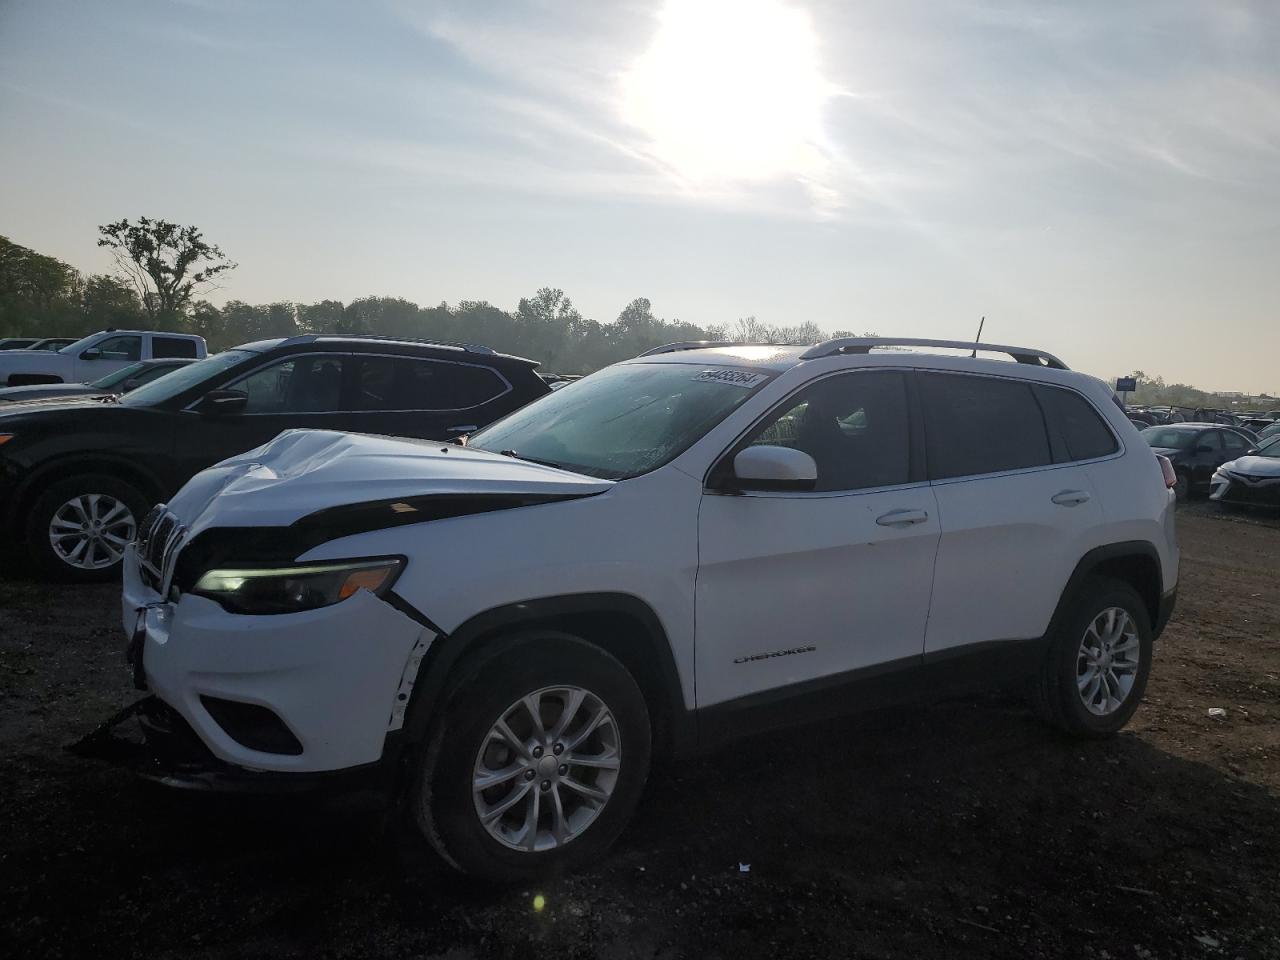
448	650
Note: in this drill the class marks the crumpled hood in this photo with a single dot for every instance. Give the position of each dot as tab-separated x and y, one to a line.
1255	466
301	472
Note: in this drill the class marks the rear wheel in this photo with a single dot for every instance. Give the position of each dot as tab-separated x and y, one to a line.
79	527
1182	486
1099	658
538	761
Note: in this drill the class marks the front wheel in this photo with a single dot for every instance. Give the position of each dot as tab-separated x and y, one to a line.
1098	661
538	761
79	527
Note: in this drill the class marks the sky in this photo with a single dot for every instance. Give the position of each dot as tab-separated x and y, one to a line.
1099	179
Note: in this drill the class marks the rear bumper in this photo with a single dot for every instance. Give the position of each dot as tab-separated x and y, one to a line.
1167	604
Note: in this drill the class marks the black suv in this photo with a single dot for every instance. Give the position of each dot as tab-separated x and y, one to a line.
75	478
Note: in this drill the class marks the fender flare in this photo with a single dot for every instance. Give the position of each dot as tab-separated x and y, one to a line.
92	461
429	691
1098	556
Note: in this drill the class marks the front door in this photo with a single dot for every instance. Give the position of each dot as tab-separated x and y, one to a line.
792	587
300	392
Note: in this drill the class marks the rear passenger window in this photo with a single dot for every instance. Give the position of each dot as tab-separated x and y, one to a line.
405	383
1078	432
977	425
173	347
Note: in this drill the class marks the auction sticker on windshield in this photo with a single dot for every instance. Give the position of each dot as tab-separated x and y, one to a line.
737	378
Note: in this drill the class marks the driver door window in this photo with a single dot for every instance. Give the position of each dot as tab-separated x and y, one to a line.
854	425
302	385
121	348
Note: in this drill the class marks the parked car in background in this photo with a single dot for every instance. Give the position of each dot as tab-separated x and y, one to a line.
53	343
1253	479
78	475
511	623
1196	450
1269	431
93	357
18	343
122	381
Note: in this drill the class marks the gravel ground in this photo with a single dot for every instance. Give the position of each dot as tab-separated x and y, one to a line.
965	830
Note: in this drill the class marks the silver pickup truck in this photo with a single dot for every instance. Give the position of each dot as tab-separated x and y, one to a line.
95	356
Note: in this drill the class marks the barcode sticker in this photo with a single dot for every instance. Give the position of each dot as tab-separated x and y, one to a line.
737	378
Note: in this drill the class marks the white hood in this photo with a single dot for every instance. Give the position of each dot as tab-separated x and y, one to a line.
1255	466
303	471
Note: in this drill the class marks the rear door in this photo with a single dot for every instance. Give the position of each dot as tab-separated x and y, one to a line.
798	586
1014	522
1206	456
421	397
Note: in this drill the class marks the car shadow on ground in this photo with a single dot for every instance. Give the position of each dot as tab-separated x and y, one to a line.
966	829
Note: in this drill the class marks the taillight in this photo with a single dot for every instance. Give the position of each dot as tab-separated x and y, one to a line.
1166	467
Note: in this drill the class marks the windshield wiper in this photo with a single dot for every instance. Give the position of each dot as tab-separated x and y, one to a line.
516	456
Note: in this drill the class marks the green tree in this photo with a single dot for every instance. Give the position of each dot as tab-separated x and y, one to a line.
165	263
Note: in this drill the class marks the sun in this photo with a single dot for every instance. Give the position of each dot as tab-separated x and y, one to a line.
729	90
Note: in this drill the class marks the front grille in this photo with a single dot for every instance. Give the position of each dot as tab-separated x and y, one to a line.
158	540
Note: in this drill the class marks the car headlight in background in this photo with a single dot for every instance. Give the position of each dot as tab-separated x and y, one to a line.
265	590
5	438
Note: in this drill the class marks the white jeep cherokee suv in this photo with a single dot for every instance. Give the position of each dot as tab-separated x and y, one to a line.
697	543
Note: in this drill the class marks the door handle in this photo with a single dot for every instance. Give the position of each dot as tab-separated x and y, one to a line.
1070	498
902	518
465	428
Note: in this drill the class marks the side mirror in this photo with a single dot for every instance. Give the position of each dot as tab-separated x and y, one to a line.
223	401
93	353
1251	452
775	468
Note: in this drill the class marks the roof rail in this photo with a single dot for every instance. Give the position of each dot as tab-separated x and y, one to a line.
830	348
469	347
707	344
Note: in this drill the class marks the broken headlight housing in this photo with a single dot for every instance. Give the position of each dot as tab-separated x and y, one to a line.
293	588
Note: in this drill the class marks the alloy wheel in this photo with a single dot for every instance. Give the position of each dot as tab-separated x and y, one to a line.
90	532
546	768
1107	661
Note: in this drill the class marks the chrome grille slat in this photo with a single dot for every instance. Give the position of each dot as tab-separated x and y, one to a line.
158	538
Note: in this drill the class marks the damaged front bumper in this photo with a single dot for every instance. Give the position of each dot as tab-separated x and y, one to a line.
274	701
152	740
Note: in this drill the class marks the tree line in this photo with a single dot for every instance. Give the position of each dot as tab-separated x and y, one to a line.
162	269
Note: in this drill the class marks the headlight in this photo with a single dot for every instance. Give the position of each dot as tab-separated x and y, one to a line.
263	590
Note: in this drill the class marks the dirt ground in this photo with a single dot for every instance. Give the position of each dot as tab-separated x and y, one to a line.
966	830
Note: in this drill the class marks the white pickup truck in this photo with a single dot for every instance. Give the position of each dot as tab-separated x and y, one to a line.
95	356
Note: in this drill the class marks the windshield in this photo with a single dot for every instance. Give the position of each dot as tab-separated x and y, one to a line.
625	420
120	376
1171	439
1269	447
184	378
80	344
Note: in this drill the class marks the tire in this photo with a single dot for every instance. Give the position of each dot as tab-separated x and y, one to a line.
447	812
1182	488
1060	699
55	505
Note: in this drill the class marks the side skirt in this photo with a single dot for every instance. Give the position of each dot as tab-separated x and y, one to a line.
994	665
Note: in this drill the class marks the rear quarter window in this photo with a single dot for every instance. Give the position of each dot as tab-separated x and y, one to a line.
976	425
1077	431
